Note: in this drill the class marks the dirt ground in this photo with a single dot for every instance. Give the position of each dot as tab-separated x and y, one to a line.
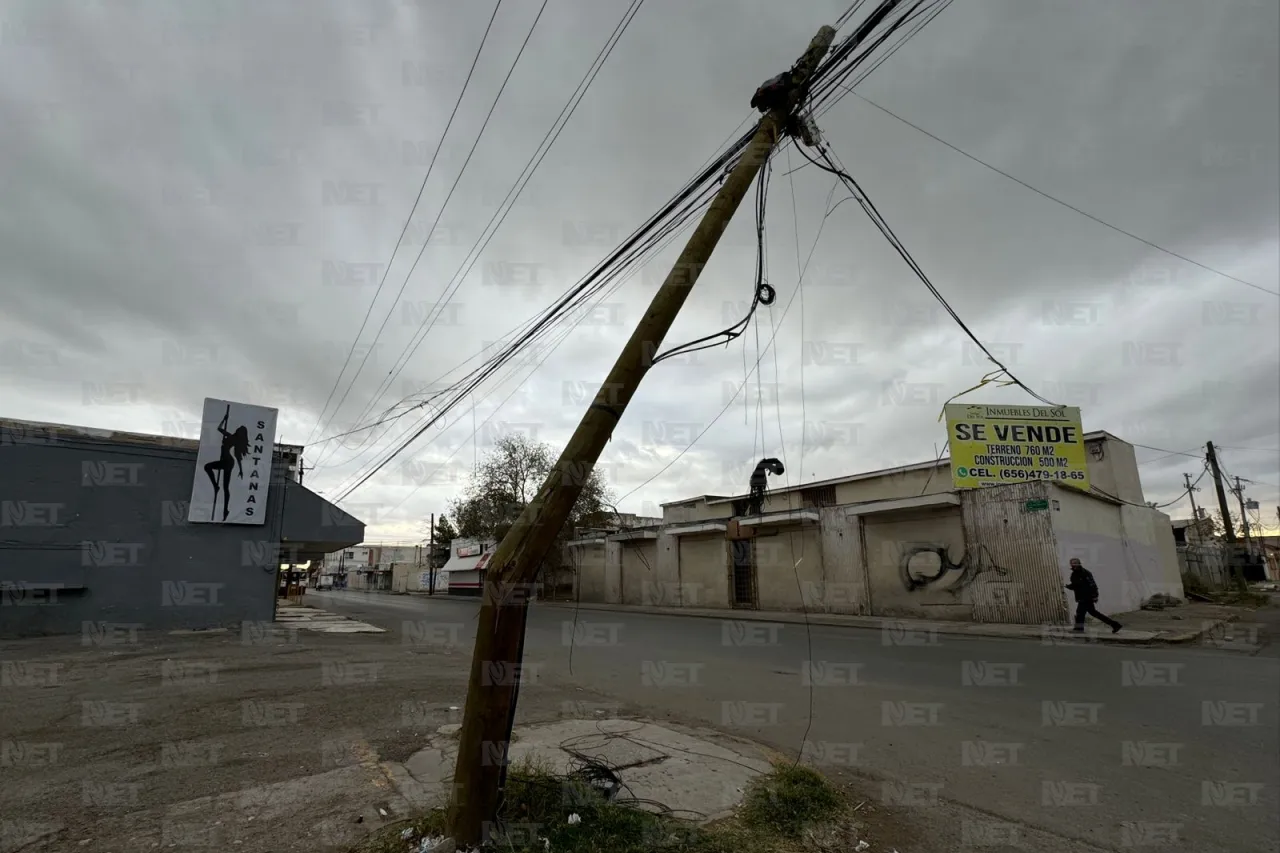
208	741
267	743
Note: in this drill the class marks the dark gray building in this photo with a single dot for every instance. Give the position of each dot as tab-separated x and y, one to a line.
93	529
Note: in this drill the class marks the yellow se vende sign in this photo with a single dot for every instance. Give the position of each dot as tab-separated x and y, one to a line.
995	445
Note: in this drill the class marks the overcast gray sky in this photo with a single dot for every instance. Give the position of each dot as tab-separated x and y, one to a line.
199	196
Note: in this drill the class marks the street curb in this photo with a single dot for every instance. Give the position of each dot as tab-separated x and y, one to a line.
1191	636
873	623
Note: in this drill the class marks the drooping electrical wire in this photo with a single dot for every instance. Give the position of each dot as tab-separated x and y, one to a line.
762	293
861	34
878	220
695	196
563	334
729	403
608	270
719	169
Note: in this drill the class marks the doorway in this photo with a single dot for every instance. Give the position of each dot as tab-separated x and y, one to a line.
742	577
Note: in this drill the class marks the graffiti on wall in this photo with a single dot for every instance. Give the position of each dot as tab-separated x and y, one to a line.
928	566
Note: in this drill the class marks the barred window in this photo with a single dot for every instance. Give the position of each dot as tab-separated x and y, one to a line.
821	496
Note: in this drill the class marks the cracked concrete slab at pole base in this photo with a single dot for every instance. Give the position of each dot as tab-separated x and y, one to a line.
698	774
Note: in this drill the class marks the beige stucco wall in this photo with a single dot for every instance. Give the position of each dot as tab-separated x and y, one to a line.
703	571
787	564
906	484
639	558
698	510
843	588
1152	551
1123	546
887	537
404	577
1124	463
1116	473
663	586
588	561
612	572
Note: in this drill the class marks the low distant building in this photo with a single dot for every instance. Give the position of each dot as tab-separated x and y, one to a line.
464	573
897	542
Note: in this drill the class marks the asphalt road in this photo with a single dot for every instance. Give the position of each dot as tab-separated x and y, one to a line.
1170	748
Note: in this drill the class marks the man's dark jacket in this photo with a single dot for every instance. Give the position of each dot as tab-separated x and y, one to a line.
1083	584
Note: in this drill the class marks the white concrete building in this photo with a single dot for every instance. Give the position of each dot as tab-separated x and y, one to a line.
464	573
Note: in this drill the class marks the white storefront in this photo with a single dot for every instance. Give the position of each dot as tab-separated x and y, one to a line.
464	573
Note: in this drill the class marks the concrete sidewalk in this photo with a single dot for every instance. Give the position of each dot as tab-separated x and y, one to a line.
1185	624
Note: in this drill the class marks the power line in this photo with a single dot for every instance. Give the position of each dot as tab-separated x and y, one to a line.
1169	452
1071	207
873	213
694	197
564	334
786	310
444	205
676	228
1184	493
736	147
407	220
603	271
505	207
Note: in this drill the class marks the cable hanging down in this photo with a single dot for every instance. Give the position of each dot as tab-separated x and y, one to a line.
853	54
763	293
860	195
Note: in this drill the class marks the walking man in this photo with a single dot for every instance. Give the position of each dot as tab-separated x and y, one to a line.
1086	592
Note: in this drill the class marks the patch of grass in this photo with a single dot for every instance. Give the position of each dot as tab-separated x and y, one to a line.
785	811
538	805
1248	599
790	800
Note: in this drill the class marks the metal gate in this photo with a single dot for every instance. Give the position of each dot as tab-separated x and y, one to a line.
1009	531
742	587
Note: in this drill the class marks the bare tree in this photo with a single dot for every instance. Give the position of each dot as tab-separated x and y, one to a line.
508	478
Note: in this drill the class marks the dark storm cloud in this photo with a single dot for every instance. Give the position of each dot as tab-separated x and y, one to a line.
203	198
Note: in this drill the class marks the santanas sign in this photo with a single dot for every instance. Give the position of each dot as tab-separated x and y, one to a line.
233	465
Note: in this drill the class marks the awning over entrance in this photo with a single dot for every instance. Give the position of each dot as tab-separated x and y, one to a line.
770	519
695	529
313	526
467	564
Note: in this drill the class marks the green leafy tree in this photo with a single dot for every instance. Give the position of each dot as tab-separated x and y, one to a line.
444	534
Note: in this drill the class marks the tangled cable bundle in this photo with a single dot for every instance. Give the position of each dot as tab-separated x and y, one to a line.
860	52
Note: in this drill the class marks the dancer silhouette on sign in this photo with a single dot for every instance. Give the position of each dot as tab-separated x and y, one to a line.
236	443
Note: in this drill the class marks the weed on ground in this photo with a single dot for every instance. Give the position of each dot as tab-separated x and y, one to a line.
790	810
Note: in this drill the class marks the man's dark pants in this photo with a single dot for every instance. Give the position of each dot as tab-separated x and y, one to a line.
1090	608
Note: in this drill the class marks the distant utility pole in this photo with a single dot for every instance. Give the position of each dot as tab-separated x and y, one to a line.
1229	530
1195	513
1244	515
431	558
495	662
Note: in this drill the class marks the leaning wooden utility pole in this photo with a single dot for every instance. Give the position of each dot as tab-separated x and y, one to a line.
495	662
1229	530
